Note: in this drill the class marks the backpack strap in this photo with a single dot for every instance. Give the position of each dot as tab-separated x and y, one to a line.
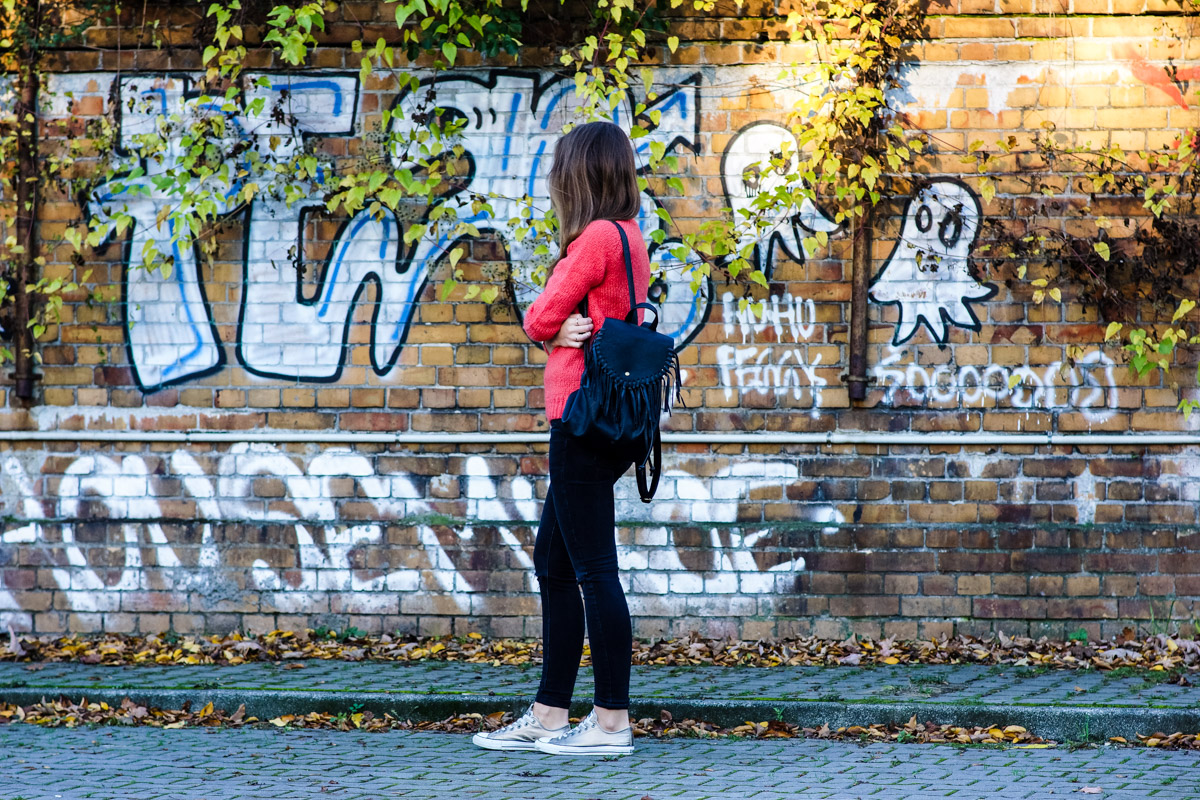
655	464
633	303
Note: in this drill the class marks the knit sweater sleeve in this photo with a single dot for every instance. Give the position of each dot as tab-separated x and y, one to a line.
579	271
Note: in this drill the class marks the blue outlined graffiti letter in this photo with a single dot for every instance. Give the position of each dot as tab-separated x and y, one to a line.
281	333
512	119
168	329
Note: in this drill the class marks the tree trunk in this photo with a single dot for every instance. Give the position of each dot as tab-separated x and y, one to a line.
26	222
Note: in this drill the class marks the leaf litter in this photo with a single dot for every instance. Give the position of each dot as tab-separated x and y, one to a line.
65	713
1157	653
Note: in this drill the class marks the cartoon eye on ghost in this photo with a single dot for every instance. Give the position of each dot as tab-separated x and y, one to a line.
927	276
746	173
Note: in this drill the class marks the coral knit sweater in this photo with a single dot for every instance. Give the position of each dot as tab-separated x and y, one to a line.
594	267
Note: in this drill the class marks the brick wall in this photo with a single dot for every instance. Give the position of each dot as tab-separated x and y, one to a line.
125	525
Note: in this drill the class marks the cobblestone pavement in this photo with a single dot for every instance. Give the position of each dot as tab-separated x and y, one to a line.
951	685
193	764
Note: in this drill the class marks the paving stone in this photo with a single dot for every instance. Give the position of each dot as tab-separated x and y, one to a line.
956	685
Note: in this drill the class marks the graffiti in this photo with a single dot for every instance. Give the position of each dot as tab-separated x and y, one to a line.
282	333
169	331
793	315
1172	80
320	552
927	275
931	85
291	331
754	369
1088	384
747	171
771	369
512	119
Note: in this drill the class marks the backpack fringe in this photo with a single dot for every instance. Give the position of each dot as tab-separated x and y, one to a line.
645	396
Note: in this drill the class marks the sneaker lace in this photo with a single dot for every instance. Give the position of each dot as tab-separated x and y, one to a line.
586	723
525	719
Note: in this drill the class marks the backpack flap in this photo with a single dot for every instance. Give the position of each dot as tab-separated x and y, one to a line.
632	354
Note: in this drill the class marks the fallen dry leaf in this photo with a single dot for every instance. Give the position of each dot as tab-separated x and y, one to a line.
1160	653
14	644
1091	790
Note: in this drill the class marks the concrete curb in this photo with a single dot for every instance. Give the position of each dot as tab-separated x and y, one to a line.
1060	723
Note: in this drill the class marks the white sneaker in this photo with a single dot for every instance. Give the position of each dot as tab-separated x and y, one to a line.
588	739
519	735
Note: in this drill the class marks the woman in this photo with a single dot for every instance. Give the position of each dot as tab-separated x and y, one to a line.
593	184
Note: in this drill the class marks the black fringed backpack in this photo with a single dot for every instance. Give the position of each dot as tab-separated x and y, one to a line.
630	374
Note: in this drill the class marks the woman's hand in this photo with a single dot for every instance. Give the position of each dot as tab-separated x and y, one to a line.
573	333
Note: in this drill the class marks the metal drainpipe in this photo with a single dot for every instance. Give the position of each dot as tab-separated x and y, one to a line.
26	222
757	439
860	278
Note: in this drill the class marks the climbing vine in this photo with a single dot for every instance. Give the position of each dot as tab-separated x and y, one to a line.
1111	230
29	298
848	150
853	151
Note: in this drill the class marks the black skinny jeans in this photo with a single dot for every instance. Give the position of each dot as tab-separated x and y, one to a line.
576	548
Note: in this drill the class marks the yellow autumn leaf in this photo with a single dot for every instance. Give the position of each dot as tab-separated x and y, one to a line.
208	709
1184	307
174	726
891	660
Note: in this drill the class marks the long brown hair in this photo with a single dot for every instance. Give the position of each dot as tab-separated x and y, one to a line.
593	177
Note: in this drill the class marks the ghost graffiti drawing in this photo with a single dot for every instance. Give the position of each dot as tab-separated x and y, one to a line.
928	276
746	174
